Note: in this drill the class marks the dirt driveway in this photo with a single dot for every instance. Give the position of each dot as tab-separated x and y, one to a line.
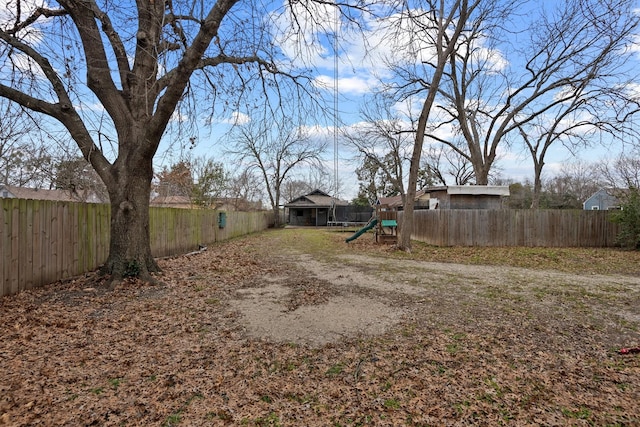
358	294
295	327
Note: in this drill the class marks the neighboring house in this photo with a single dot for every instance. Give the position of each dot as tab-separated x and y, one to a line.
603	199
467	196
421	201
181	202
315	209
82	196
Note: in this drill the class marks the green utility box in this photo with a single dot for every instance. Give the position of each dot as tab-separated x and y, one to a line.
222	219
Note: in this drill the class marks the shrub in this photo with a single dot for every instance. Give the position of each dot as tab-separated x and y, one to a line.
629	219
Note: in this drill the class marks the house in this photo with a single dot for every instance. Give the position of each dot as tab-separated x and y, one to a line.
467	196
78	196
603	199
316	209
395	202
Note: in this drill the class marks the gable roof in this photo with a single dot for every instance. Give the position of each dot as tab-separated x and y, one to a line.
316	199
605	198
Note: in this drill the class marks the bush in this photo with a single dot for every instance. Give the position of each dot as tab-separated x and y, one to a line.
629	219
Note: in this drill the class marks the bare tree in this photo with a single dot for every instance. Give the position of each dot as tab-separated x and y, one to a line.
25	161
584	178
316	179
138	62
595	110
275	150
383	144
245	190
560	192
293	188
623	172
565	79
10	134
425	36
78	177
440	163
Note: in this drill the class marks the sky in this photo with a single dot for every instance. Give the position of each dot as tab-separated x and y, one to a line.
359	69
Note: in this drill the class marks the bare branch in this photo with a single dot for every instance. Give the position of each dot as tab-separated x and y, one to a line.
37	14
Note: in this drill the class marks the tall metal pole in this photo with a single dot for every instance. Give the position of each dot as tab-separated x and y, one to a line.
336	24
335	98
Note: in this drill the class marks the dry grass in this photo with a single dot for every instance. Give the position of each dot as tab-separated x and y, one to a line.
523	350
570	260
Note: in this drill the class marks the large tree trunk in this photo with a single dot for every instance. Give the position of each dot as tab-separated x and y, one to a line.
482	174
276	217
130	246
444	51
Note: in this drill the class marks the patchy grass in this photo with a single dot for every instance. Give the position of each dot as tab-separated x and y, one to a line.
319	242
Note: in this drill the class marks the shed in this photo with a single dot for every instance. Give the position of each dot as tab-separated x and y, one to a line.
314	209
467	196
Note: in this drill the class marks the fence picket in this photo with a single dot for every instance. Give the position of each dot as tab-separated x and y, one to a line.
44	241
552	228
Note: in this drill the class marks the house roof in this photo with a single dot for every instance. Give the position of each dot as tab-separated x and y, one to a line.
52	195
613	192
396	201
606	196
484	190
316	199
171	201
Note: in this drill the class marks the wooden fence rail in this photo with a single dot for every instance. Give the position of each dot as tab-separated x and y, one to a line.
507	227
44	241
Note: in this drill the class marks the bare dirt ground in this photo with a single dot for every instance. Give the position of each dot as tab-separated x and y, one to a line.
295	327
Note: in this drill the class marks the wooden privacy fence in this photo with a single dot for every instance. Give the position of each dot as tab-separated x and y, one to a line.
507	227
44	241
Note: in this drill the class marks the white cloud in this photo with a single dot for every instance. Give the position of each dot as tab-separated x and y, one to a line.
633	89
347	85
31	34
299	28
364	57
178	117
635	45
237	118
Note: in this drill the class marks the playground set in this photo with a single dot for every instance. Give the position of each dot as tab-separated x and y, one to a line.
385	223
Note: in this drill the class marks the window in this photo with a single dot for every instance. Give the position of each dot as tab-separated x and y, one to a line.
595	208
